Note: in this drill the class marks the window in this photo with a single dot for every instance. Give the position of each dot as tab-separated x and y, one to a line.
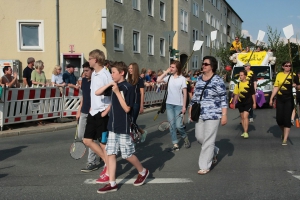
224	30
202	5
218	5
195	62
217	24
30	35
213	21
119	1
150	7
136	4
195	9
162	47
195	35
208	17
202	27
184	20
162	10
214	2
136	42
118	38
150	45
207	40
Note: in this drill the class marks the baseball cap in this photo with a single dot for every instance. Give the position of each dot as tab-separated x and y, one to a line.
69	66
247	64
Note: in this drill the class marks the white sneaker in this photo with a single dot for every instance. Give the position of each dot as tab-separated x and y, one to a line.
144	135
251	120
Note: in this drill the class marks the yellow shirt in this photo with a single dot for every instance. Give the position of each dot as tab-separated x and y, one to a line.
286	88
245	90
236	46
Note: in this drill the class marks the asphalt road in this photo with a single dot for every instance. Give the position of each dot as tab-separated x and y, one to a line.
39	166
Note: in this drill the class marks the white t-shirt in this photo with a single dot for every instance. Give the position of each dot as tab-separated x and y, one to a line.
98	80
175	86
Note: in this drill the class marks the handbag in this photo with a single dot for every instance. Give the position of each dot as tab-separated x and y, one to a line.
196	107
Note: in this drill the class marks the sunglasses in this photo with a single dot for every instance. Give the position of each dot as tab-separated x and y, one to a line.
205	64
287	65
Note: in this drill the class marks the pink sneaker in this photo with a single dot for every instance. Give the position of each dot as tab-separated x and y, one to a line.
103	171
103	179
141	179
107	188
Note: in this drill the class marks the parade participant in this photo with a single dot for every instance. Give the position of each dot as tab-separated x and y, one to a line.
284	101
97	119
9	80
297	82
213	110
38	77
27	72
138	83
253	80
119	132
176	102
82	113
236	46
245	94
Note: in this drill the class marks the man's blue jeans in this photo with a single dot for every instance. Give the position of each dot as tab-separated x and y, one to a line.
175	122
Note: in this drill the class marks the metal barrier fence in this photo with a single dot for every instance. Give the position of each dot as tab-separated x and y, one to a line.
19	105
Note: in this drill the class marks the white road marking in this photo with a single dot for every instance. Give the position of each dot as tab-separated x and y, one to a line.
149	180
295	176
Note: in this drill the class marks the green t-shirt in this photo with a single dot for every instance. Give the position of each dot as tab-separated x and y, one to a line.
35	76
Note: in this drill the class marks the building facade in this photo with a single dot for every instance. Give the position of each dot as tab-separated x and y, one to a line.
65	31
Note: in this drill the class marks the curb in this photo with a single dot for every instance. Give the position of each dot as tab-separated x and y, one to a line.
50	127
33	130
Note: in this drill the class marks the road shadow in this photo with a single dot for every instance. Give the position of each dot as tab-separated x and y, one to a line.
226	149
3	175
6	153
152	157
275	130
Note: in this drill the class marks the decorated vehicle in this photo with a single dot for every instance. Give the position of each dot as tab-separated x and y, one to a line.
262	64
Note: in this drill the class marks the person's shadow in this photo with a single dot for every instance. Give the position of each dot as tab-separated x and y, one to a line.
6	153
226	149
152	157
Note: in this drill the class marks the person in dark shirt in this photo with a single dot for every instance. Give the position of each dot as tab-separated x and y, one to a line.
119	128
82	113
138	83
27	72
69	77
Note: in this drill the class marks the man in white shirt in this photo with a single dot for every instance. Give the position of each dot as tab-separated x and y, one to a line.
97	119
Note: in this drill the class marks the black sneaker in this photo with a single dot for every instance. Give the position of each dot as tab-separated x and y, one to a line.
90	167
174	148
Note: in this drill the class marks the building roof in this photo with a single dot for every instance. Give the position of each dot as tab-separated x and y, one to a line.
233	10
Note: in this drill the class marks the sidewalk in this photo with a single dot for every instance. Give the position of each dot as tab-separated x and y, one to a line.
50	126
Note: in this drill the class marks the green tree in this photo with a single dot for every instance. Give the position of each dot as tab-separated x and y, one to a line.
277	45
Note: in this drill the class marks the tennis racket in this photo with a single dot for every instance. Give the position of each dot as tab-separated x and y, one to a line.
77	149
166	124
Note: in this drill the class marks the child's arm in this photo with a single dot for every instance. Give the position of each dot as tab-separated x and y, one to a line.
116	90
101	90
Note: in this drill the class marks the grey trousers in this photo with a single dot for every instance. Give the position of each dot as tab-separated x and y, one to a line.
92	157
205	133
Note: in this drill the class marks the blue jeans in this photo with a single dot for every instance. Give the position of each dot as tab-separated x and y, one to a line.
172	113
135	113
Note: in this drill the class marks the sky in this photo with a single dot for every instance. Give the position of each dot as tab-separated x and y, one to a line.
258	14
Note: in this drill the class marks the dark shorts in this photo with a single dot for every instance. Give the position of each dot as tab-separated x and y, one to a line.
244	107
96	127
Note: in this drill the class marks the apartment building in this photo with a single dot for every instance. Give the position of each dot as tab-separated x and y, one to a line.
136	32
65	31
195	20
